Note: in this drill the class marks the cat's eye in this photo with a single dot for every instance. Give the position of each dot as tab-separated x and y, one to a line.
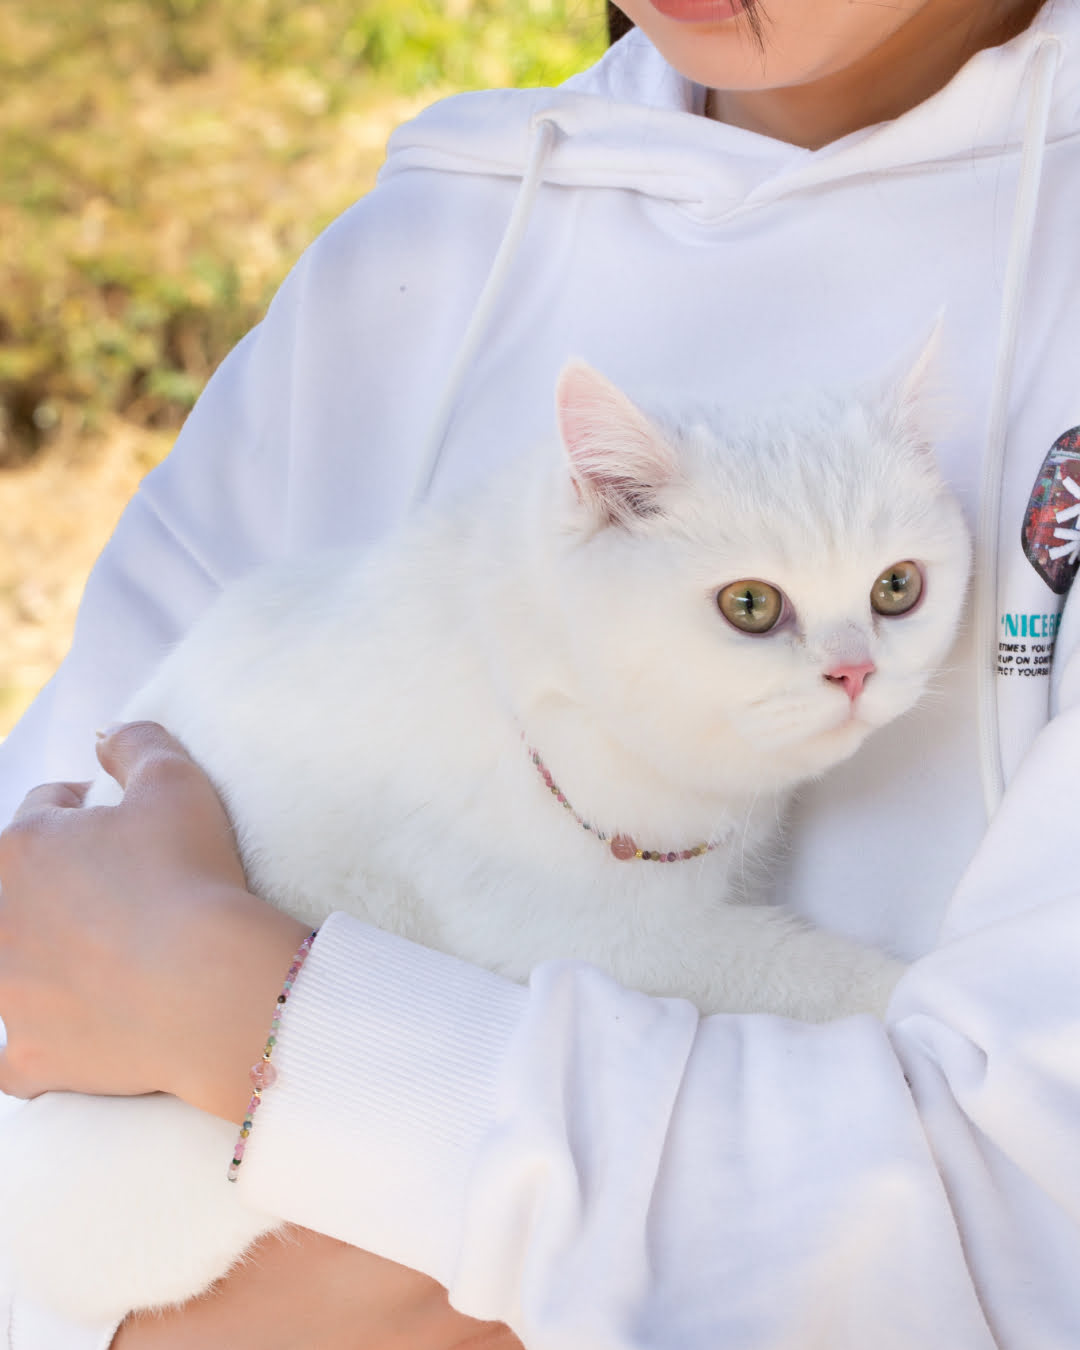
897	589
752	606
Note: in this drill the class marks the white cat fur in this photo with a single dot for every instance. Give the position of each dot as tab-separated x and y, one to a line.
363	717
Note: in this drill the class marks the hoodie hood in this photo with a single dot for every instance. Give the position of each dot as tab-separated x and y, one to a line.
632	122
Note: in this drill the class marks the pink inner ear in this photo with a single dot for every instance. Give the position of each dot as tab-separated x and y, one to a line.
582	398
617	457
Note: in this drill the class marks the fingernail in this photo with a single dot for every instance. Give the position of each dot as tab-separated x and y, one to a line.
113	726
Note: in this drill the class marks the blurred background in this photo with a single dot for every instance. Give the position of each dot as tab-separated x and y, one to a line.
162	165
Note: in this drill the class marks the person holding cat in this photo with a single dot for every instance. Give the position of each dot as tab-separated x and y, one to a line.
737	199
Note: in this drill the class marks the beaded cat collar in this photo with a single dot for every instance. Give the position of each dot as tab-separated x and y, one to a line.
622	846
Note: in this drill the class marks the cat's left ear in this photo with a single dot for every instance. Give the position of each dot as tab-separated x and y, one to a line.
618	458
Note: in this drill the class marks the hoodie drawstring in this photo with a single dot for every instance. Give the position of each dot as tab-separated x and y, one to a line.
543	137
1044	65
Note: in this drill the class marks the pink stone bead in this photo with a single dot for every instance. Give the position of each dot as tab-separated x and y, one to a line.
263	1074
623	847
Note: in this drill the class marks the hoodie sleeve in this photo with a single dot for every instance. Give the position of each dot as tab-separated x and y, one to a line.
600	1168
201	518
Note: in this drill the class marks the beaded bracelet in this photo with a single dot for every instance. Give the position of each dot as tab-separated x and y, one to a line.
263	1074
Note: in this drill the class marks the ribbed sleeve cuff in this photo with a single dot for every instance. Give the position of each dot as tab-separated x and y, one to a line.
387	1061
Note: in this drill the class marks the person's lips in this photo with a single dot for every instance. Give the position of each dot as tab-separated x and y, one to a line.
698	11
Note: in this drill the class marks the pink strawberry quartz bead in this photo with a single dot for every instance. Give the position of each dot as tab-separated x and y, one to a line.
263	1075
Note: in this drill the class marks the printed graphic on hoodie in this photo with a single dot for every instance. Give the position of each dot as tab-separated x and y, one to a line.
1051	542
1051	533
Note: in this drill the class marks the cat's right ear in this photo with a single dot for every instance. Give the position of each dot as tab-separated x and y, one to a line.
918	400
918	378
618	458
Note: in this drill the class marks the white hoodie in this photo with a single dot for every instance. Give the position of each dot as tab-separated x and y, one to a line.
597	1168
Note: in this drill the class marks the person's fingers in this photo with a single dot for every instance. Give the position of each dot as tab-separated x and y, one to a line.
133	749
48	795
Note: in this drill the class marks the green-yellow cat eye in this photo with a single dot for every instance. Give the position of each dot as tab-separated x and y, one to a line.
897	589
751	606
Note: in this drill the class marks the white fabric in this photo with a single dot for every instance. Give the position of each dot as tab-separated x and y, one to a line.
598	1168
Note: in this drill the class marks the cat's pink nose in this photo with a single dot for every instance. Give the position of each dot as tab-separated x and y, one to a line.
852	677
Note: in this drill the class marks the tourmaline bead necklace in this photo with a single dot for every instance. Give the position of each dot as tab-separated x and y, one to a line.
622	846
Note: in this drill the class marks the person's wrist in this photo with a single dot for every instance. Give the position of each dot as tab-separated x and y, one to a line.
230	1002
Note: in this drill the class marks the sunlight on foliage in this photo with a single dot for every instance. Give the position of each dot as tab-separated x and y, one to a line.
163	163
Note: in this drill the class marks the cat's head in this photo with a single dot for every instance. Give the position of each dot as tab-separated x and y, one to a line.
744	600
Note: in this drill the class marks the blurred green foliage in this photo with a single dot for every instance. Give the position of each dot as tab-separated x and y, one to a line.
163	162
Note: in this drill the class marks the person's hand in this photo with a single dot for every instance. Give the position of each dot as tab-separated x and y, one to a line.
133	959
132	956
303	1291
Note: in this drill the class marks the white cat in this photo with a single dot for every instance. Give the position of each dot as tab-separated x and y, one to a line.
555	721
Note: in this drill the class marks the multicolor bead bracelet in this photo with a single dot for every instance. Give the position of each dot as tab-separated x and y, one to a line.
622	846
263	1074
